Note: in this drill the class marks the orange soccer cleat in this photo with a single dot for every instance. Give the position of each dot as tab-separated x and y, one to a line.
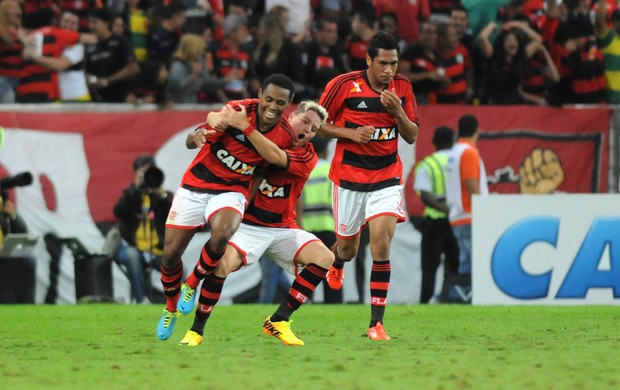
377	332
335	277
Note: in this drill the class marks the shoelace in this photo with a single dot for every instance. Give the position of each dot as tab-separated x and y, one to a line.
169	316
189	293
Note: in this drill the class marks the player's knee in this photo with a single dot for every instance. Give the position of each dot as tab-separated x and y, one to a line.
346	252
220	238
171	257
325	259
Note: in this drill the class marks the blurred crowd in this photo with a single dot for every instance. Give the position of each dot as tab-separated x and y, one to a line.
539	52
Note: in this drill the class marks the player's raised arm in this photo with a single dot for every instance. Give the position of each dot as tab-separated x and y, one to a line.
265	147
406	127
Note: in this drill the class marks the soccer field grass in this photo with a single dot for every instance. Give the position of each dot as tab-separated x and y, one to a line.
109	346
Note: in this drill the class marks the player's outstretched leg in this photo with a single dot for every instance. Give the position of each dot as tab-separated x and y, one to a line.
278	325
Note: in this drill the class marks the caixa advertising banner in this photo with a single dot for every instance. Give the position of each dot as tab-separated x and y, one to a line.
561	249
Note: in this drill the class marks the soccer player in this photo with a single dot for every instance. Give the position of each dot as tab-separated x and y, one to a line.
269	227
368	110
215	187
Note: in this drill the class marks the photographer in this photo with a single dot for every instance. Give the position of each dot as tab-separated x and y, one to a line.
10	221
17	273
142	211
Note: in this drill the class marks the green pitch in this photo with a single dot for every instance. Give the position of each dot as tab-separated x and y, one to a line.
433	347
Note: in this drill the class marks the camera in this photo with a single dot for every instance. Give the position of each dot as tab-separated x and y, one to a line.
19	180
153	178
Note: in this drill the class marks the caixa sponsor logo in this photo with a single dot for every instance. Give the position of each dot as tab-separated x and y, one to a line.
584	273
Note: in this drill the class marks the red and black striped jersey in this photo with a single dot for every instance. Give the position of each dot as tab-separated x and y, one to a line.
38	84
227	161
226	60
351	102
534	82
455	64
11	60
587	74
275	201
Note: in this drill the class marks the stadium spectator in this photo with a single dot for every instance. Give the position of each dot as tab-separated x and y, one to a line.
276	53
411	14
38	83
11	61
80	8
465	176
541	78
458	20
419	63
324	54
366	169
141	212
507	61
138	22
437	237
17	279
388	22
270	228
363	28
218	190
454	59
188	73
296	17
119	27
608	40
149	85
70	65
110	64
231	61
163	39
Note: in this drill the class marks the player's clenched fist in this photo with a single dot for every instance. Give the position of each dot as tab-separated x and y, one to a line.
363	135
541	172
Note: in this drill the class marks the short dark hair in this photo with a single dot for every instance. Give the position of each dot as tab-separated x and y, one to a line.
443	138
142	161
280	80
382	40
468	125
615	16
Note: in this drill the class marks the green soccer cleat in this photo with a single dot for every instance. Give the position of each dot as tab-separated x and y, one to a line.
166	324
186	303
191	339
281	330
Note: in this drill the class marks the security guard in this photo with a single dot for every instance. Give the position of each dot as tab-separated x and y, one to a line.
437	235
